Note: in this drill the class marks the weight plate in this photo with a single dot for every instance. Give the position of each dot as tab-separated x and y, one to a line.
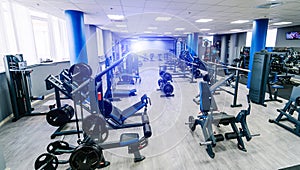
192	124
168	89
80	72
57	117
86	157
53	146
46	161
95	127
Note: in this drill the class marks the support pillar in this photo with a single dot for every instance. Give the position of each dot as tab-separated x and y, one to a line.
76	35
258	42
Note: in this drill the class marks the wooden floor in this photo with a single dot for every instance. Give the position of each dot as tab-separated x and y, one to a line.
172	145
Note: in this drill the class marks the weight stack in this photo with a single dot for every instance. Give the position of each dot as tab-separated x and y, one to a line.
259	78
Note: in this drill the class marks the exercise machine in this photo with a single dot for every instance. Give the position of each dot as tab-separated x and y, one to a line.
75	84
19	84
165	85
110	93
208	117
89	155
287	113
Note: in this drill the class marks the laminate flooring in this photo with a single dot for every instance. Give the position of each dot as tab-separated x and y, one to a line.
172	145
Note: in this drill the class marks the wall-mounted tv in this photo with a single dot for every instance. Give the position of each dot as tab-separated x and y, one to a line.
294	35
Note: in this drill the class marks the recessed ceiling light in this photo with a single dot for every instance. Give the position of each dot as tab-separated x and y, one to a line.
121	26
116	17
239	21
152	28
204	20
204	29
281	23
124	31
176	35
147	32
211	33
179	29
167	33
163	18
236	30
187	33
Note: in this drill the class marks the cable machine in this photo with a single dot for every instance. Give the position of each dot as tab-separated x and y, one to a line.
19	84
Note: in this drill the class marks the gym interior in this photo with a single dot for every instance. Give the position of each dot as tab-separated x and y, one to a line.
148	84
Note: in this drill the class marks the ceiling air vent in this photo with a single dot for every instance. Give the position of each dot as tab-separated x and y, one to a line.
269	5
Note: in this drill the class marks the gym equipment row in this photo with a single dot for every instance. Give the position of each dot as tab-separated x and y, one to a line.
88	154
188	66
208	117
19	84
96	126
165	85
287	113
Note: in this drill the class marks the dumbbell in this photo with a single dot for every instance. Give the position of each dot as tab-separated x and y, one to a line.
164	83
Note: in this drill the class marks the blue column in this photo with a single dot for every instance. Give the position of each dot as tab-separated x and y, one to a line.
258	42
76	34
194	44
189	42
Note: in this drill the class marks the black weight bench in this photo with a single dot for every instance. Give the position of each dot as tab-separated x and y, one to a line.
117	117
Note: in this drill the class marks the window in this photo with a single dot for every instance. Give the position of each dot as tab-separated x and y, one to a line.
41	39
270	39
36	35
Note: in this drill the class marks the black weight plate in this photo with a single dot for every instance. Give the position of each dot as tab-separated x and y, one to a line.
46	161
192	124
95	127
160	81
161	73
167	76
80	72
57	117
168	89
85	158
53	146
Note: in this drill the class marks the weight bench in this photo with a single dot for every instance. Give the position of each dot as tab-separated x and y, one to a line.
286	114
117	117
209	117
271	85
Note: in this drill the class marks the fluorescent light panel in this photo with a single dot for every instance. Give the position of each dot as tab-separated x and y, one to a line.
152	28
116	17
187	33
167	33
282	23
147	32
204	20
163	18
204	29
179	29
239	21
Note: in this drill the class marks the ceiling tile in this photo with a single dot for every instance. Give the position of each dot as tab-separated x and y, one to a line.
133	3
156	4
